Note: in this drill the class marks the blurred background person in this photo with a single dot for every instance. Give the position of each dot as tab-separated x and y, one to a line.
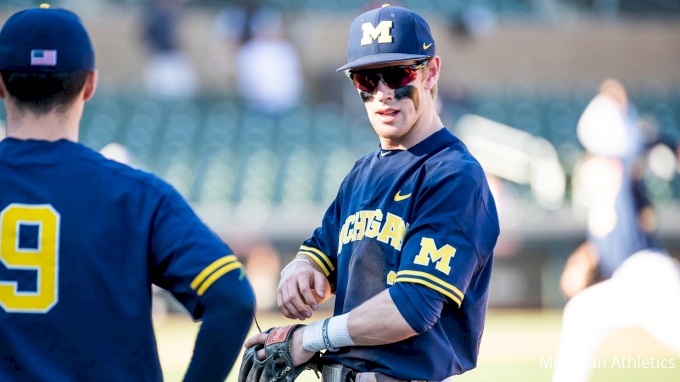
232	23
231	27
620	277
169	72
269	68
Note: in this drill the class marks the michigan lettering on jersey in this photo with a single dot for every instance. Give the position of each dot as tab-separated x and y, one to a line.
386	228
441	256
382	32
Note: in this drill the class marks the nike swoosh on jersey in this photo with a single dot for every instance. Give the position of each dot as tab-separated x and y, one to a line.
398	197
426	46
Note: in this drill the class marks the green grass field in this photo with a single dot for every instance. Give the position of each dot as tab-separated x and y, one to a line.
512	347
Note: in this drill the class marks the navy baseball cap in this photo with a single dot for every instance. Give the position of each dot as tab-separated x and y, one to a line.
388	34
45	40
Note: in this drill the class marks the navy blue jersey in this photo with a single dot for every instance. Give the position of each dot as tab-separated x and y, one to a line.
82	239
423	216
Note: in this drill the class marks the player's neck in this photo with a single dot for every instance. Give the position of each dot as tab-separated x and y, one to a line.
48	127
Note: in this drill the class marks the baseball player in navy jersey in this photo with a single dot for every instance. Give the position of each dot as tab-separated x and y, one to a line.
407	245
639	282
82	238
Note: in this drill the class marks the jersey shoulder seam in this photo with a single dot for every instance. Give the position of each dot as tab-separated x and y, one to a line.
428	179
161	188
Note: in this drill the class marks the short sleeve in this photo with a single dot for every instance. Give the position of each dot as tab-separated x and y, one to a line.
186	258
452	236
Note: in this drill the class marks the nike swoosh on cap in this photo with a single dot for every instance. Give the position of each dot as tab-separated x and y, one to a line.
425	46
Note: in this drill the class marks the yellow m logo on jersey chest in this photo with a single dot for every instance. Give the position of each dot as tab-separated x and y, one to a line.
381	32
429	251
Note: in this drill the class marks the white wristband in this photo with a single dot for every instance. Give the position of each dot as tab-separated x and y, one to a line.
338	334
312	337
291	263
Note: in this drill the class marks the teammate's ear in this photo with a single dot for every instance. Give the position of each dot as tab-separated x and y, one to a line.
90	85
432	72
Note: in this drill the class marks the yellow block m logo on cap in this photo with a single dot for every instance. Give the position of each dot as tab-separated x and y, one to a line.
429	251
381	32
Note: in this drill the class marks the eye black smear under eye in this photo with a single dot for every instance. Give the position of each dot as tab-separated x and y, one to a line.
365	96
408	91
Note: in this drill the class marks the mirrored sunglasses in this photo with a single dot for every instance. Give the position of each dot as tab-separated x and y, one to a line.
393	76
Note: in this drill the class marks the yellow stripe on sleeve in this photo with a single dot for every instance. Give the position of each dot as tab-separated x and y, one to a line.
433	278
429	285
325	258
317	260
215	276
211	268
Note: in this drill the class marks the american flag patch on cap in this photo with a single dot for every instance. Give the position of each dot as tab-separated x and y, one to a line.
43	57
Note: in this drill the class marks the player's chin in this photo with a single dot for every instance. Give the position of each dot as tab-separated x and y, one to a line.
389	131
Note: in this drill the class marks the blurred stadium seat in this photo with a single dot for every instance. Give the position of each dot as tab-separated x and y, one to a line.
213	150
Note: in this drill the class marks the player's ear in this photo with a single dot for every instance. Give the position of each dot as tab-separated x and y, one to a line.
3	89
90	85
432	72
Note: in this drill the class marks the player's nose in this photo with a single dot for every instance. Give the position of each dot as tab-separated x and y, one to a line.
383	92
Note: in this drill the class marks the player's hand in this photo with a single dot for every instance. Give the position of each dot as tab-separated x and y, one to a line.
300	291
298	354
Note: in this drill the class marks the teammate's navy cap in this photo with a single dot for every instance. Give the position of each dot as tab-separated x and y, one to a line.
45	40
388	34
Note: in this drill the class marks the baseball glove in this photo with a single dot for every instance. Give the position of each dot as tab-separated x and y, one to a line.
277	366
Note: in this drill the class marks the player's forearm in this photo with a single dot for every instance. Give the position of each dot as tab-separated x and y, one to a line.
215	352
228	315
375	322
378	322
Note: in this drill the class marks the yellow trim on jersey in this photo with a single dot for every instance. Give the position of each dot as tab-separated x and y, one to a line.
211	268
429	285
433	278
323	255
317	260
215	276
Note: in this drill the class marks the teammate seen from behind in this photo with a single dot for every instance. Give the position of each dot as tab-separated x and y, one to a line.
82	238
407	245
